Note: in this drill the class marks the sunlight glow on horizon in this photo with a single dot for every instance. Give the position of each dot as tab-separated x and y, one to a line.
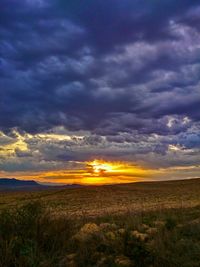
99	172
96	172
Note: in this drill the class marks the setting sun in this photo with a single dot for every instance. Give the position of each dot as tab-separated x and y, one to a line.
100	167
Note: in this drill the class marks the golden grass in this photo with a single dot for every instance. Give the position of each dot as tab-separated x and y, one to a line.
112	199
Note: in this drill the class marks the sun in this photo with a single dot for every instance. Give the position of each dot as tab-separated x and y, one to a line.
100	167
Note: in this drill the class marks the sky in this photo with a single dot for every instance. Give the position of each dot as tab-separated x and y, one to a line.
98	92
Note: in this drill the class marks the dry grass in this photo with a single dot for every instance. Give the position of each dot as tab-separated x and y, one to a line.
113	199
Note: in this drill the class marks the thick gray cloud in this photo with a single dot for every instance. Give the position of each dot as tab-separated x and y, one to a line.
122	71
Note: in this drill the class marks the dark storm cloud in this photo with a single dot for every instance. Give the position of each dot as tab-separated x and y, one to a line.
117	22
102	66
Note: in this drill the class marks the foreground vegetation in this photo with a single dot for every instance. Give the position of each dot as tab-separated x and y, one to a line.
31	236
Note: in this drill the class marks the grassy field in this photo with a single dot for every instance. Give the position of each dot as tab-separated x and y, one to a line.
111	199
143	225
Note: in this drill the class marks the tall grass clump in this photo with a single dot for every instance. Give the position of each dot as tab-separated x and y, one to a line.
29	236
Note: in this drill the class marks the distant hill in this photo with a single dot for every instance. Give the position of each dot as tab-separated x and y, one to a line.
12	184
7	184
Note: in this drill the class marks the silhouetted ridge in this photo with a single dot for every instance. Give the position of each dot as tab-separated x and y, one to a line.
14	182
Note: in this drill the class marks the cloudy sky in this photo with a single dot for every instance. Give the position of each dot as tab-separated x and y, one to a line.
113	81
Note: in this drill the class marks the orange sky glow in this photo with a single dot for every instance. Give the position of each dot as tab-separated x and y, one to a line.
95	172
99	172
